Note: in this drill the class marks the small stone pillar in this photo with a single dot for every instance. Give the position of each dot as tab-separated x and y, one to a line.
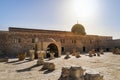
67	55
40	60
77	54
40	55
52	55
32	54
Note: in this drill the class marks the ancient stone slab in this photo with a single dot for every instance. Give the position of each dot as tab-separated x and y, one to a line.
48	66
90	76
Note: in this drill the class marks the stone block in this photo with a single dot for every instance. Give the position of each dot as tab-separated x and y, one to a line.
77	55
67	55
21	56
40	62
90	76
48	66
32	54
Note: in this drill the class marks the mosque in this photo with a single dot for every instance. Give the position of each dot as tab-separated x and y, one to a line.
19	40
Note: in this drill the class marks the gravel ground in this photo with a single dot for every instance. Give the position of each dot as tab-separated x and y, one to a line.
107	65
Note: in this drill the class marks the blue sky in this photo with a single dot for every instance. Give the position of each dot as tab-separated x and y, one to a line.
99	17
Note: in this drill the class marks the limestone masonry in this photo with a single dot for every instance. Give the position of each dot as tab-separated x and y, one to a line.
20	40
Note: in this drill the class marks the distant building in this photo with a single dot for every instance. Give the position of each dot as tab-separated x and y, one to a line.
18	40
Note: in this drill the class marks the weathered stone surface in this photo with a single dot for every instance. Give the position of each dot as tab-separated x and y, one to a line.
40	62
32	54
67	55
92	53
40	55
90	76
74	52
73	73
116	51
48	66
51	67
52	55
77	54
21	56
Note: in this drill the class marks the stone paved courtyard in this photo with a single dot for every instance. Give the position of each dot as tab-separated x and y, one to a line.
108	65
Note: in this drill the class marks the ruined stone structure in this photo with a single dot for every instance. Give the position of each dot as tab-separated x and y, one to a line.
78	73
20	40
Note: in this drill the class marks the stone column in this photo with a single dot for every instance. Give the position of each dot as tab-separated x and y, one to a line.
40	58
32	54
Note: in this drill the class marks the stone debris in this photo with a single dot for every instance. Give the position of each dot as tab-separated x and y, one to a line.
98	54
90	76
32	54
48	66
40	55
74	52
77	55
92	53
21	56
101	51
77	73
52	55
116	51
67	55
40	62
72	73
3	59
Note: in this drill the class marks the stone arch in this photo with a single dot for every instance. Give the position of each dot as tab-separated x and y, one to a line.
52	47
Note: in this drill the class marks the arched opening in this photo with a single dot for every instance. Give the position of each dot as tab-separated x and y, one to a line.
84	48
52	48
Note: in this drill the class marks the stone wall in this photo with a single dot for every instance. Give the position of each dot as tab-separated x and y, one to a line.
17	41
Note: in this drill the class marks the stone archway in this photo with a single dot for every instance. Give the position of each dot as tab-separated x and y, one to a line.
52	48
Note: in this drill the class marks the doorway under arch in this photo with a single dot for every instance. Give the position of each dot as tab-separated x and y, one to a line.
84	48
52	48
